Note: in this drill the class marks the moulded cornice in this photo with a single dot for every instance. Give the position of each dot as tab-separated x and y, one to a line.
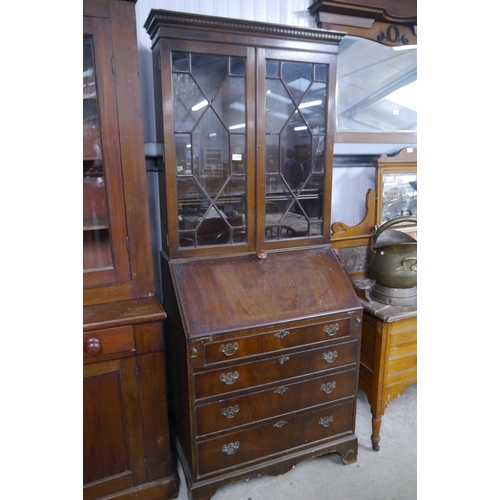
164	18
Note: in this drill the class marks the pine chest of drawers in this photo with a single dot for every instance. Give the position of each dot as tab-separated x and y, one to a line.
264	363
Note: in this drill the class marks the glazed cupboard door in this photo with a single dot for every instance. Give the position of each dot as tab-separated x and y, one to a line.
209	130
293	152
105	255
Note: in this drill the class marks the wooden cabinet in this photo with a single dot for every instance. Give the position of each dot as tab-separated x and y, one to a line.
246	116
266	371
263	326
127	451
388	364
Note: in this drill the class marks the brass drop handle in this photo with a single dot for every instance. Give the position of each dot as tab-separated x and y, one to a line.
229	378
331	330
93	346
230	448
330	356
230	411
325	421
229	349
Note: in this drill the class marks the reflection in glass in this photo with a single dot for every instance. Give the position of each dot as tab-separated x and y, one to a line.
399	195
376	87
295	132
96	244
210	138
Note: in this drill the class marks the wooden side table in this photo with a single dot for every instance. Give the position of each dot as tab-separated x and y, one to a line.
388	364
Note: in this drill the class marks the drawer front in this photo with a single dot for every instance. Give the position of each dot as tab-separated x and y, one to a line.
270	403
217	352
100	344
249	375
281	434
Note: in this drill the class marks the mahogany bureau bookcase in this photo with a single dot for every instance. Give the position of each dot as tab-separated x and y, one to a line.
126	442
263	325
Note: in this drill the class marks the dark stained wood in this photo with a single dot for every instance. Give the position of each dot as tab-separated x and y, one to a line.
254	41
218	294
263	338
122	312
124	39
392	11
100	462
391	22
127	451
111	23
102	344
154	412
98	29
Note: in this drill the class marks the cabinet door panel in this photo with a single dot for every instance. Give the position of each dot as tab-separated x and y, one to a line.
105	255
113	449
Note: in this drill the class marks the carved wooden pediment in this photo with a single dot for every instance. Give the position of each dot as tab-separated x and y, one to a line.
392	22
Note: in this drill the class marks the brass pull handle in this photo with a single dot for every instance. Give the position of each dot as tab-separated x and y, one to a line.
328	387
230	411
330	356
325	421
93	346
282	334
229	349
280	424
331	330
283	359
230	448
230	378
280	390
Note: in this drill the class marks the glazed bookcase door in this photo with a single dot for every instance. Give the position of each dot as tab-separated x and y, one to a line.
211	135
105	256
293	101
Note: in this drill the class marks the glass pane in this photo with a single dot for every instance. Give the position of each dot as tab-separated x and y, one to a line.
209	73
377	87
295	131
297	77
210	104
189	102
96	243
399	195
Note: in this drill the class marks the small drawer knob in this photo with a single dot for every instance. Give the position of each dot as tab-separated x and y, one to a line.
93	346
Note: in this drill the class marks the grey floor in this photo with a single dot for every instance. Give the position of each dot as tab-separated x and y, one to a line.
389	474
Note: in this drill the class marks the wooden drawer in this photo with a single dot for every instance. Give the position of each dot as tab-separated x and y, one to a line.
216	352
108	343
274	369
270	403
278	435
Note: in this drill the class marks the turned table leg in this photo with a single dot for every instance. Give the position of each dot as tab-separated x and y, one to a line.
376	423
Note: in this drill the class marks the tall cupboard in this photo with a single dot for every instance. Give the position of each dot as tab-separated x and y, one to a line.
263	326
126	441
